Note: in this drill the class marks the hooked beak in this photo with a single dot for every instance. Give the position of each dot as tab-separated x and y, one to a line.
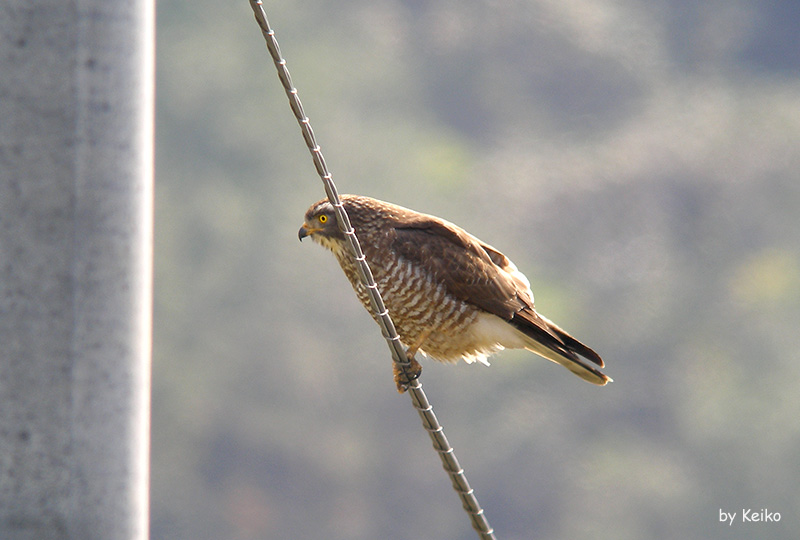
306	231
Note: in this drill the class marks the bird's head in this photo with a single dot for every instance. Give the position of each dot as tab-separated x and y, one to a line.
320	224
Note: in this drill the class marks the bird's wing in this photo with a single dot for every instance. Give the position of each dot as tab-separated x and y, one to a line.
479	274
468	268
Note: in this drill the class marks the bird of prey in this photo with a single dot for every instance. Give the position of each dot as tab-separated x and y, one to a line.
449	294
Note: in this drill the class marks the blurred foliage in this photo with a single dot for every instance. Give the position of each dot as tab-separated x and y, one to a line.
638	160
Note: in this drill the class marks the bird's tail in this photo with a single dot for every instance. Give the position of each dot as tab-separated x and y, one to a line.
546	339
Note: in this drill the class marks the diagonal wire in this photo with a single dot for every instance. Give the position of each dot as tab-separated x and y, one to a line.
418	397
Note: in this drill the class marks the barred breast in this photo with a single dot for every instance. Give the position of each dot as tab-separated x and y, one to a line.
418	305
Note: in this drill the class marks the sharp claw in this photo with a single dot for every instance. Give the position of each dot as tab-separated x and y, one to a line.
405	375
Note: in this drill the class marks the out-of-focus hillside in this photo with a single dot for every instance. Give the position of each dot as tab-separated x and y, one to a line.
639	162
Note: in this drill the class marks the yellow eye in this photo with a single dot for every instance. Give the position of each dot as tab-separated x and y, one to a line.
323	218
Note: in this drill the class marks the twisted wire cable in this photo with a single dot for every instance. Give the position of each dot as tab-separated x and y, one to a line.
418	397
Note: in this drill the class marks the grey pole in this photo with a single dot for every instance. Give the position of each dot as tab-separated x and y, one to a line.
76	108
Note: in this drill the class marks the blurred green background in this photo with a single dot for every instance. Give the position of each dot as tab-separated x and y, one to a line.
638	160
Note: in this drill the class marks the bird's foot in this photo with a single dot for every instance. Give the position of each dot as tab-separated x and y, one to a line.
404	375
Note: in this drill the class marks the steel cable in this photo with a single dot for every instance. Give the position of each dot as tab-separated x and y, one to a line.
418	397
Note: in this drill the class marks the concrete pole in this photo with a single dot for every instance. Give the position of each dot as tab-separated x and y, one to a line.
76	132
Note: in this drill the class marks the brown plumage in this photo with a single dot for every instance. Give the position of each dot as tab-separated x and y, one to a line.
450	295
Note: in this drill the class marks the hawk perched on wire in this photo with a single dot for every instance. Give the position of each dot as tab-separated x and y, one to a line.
450	295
